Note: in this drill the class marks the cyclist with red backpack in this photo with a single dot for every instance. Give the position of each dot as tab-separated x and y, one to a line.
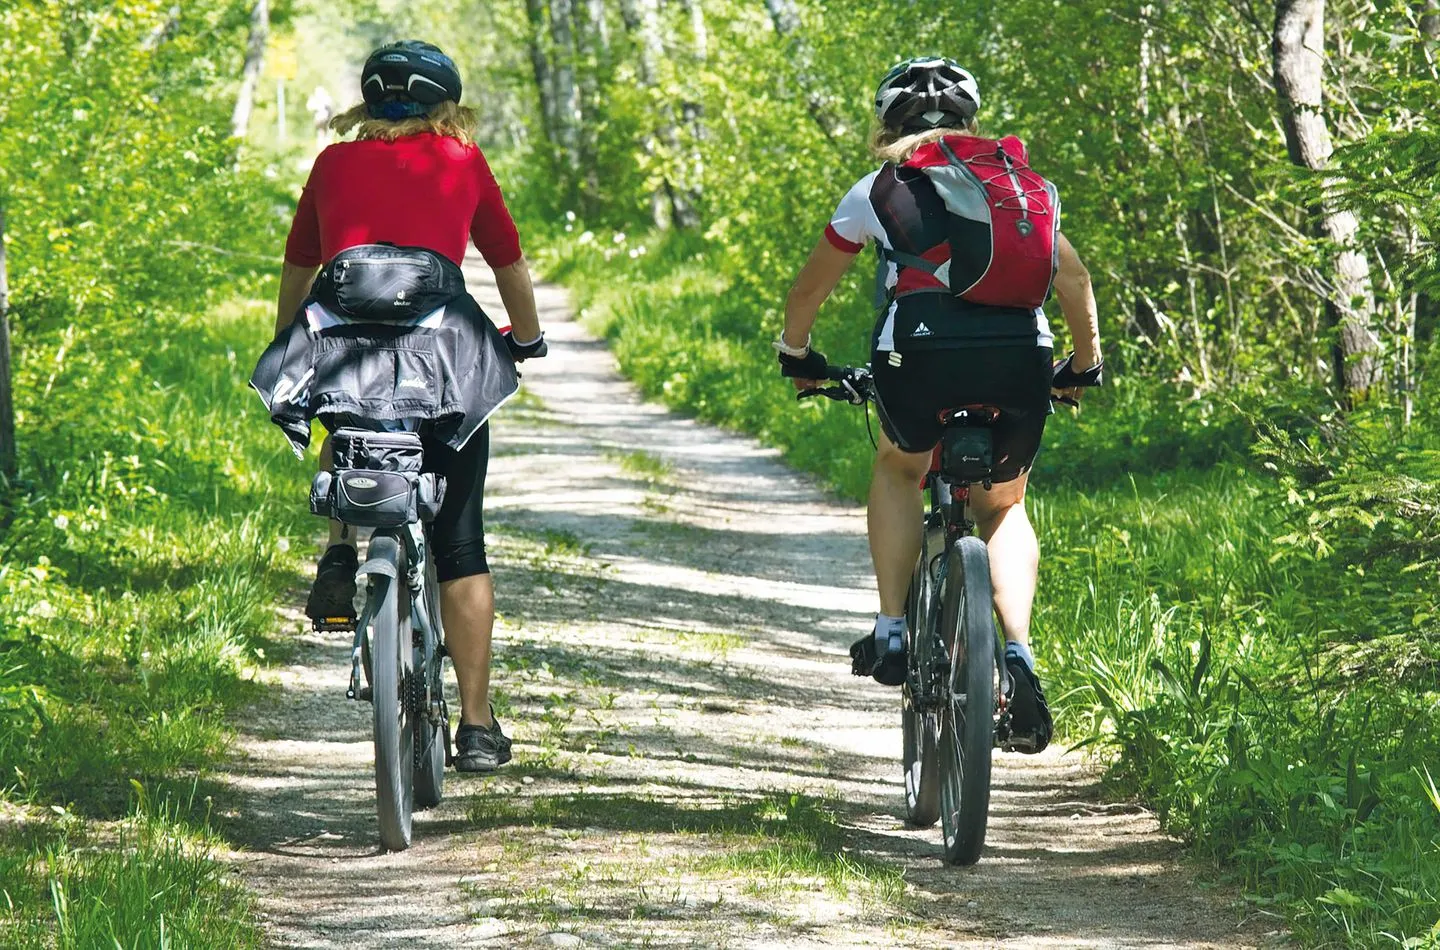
969	246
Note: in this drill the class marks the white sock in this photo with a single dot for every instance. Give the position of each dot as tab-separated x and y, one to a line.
889	633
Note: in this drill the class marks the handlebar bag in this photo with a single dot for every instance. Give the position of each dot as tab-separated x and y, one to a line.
385	282
376	481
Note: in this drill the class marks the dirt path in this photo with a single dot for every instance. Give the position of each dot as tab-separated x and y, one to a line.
694	764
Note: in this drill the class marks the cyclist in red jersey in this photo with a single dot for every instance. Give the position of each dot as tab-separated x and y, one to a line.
413	176
935	349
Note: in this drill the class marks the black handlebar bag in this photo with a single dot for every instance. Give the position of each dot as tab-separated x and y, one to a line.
386	282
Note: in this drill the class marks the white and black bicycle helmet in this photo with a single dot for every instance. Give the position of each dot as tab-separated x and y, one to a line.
927	93
408	78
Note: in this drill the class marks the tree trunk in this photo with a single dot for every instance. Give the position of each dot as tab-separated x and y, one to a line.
669	204
593	45
1298	52
1430	20
7	405
786	18
540	64
598	28
699	36
567	93
250	73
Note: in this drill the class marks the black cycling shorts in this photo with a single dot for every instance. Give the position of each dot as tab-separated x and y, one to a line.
457	535
1014	379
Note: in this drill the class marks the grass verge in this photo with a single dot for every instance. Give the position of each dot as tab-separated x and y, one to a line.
163	521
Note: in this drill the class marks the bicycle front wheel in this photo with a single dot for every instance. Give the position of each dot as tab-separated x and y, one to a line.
967	719
918	723
392	655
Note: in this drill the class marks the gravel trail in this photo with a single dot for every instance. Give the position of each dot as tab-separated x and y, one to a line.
694	764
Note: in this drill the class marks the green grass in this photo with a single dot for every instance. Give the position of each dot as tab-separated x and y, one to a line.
773	842
150	881
141	571
1274	700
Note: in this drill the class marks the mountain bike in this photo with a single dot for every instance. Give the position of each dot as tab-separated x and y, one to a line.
397	658
953	701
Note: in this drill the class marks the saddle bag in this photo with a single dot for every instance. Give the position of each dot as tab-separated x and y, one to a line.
383	282
376	481
967	453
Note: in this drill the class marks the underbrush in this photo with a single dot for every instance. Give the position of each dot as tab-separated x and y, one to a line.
1236	602
142	558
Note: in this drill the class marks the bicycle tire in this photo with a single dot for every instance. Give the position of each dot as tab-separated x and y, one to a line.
918	727
392	658
967	721
430	737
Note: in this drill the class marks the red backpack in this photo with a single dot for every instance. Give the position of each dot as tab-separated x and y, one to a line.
989	190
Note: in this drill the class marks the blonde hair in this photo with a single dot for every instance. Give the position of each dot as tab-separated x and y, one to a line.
896	147
445	118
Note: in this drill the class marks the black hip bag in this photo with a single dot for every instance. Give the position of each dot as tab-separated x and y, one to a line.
383	282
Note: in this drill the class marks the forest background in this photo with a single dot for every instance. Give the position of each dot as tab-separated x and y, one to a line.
1241	531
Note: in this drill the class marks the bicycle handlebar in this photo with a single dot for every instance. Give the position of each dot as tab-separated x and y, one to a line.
857	384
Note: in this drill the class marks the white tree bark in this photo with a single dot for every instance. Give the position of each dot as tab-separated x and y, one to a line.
250	72
540	65
1298	52
7	405
597	27
786	19
699	36
567	93
671	204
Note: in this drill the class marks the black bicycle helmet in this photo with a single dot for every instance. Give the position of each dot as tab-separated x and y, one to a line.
927	93
408	78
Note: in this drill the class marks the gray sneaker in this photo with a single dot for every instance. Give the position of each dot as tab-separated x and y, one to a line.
481	748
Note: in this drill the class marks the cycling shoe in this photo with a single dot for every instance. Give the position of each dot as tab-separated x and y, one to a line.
1030	725
332	597
481	748
888	669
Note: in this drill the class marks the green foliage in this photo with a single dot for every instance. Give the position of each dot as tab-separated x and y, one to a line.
146	540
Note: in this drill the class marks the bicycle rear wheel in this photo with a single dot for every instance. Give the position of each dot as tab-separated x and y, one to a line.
392	656
922	776
430	737
967	720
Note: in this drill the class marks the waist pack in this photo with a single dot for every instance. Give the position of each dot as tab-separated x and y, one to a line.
382	282
1004	222
376	481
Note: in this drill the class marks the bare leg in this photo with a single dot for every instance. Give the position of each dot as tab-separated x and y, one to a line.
467	606
1014	553
893	516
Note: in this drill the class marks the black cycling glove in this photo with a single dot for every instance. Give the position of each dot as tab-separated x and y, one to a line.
1065	376
520	352
810	366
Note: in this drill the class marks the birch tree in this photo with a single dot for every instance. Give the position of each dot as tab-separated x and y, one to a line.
567	93
250	72
540	65
7	403
1298	54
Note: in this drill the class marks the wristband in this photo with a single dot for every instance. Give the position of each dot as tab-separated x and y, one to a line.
796	351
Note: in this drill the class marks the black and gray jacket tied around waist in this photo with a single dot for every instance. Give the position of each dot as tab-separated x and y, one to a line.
400	343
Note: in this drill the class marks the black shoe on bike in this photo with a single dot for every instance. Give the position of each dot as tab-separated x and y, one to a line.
886	666
1030	723
481	748
332	597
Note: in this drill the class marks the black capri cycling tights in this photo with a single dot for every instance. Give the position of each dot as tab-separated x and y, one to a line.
457	535
1014	379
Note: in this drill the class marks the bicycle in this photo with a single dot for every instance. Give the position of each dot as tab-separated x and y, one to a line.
397	658
953	701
